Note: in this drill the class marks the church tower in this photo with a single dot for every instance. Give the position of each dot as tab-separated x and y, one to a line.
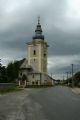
37	51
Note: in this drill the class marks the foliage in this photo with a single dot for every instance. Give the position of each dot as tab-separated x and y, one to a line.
10	73
3	75
77	79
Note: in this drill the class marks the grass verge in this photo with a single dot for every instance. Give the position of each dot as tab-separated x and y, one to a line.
8	90
38	86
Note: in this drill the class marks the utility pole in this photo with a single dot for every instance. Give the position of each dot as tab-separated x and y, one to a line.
63	79
67	76
0	68
72	76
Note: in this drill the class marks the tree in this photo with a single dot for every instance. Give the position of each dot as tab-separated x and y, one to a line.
13	70
10	73
77	78
3	75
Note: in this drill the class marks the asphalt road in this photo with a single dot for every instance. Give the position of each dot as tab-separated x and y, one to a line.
56	103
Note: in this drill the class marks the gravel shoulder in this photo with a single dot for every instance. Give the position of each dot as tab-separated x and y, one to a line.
76	90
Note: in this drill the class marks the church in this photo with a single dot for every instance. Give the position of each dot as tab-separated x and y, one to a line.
33	70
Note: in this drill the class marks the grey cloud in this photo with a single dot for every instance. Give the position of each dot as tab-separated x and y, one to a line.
64	69
63	44
18	21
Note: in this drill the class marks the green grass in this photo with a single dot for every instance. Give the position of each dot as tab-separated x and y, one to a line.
8	90
38	86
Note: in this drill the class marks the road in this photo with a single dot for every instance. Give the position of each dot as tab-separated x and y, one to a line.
56	103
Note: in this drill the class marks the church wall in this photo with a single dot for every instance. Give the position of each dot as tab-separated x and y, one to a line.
38	60
33	59
43	58
22	72
33	78
36	78
40	78
34	63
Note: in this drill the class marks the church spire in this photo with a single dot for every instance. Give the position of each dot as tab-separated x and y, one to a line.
38	31
38	20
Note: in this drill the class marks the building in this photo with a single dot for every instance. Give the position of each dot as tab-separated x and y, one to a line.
34	68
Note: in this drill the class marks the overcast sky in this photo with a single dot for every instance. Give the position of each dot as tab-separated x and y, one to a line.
60	20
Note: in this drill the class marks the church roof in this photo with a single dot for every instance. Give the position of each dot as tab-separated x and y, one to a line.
25	65
38	31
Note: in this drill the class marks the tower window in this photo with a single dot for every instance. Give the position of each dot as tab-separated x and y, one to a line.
44	54
34	52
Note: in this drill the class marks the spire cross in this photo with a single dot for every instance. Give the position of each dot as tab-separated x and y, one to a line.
38	20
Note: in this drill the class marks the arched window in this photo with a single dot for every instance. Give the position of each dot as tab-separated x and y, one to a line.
44	54
34	52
